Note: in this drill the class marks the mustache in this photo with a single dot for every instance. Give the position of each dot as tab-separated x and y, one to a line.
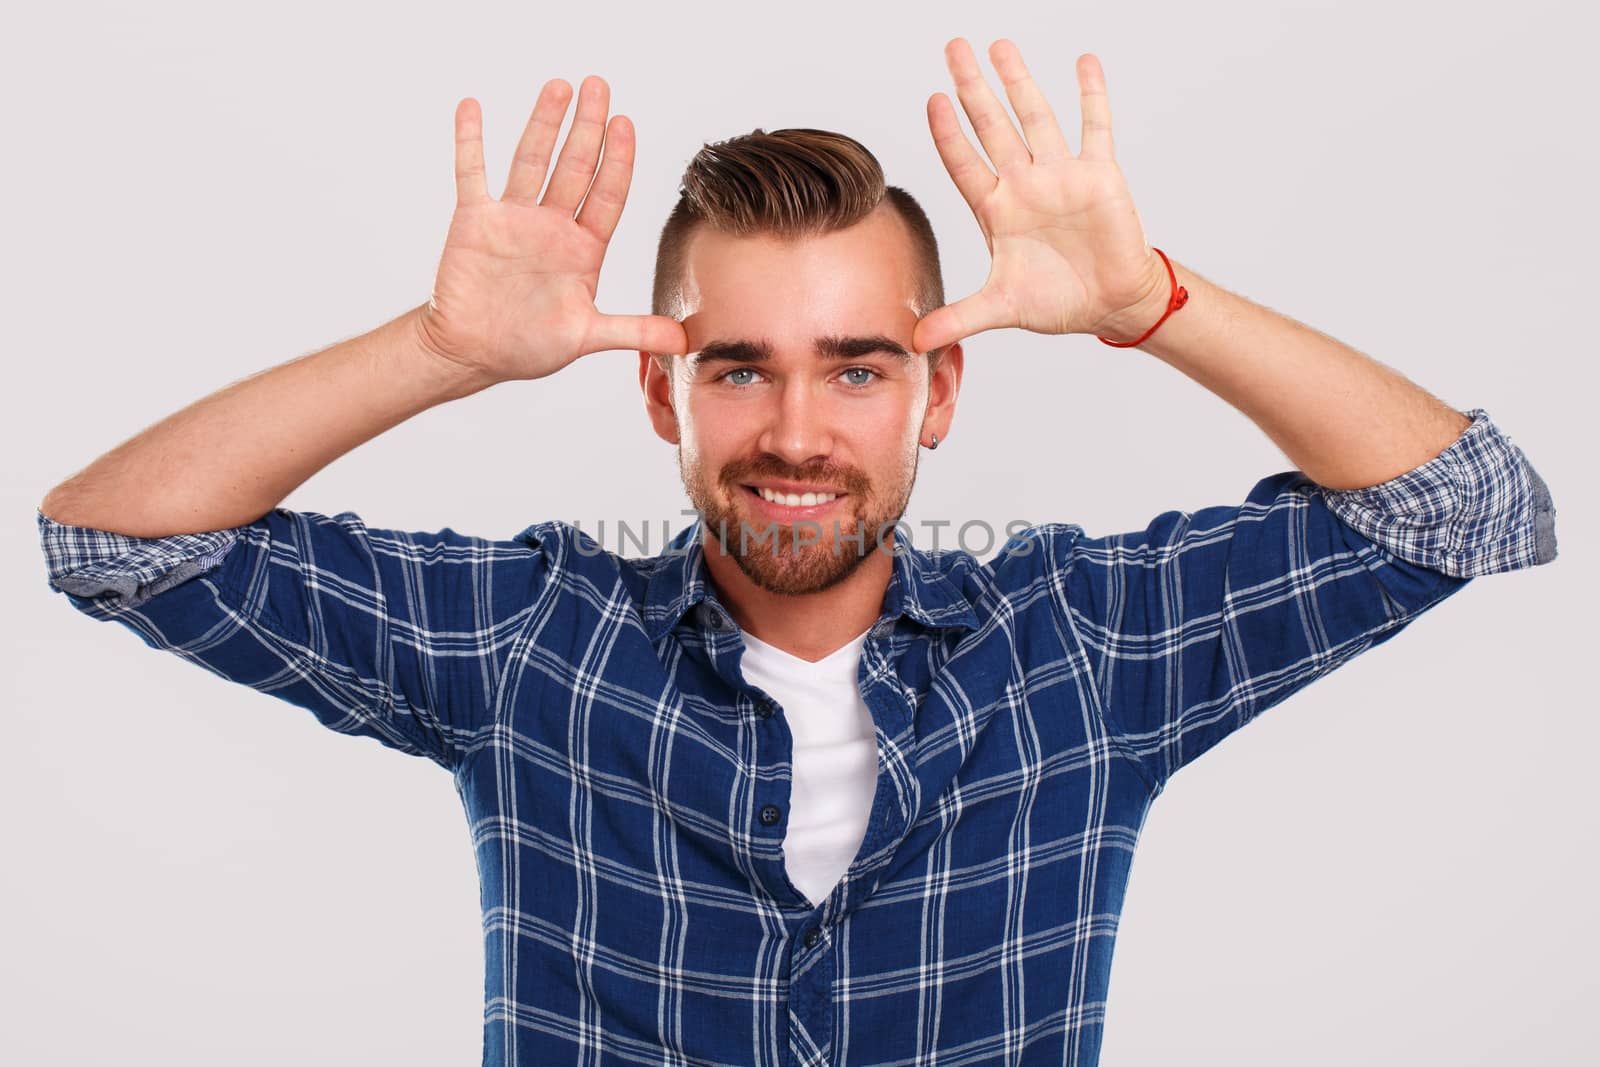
736	474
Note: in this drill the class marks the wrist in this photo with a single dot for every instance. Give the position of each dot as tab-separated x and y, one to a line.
454	378
1133	321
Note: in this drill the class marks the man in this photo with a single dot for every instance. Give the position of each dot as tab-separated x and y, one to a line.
794	791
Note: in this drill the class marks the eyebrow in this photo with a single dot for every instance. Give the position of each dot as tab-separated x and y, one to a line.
831	347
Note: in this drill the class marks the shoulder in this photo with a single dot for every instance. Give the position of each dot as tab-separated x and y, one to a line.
579	562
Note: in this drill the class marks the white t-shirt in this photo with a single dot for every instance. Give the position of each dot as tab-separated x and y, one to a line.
835	758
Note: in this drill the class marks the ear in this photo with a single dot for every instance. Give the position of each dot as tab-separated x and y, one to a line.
943	388
657	387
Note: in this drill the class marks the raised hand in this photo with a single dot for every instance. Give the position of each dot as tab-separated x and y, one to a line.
514	294
1068	249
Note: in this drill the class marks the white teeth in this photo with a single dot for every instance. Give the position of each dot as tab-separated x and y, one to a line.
795	500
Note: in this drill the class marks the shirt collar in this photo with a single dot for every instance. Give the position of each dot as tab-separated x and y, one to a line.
917	590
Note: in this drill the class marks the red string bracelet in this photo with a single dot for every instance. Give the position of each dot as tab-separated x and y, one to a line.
1180	297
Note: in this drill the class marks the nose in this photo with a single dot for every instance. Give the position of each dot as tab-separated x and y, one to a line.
799	428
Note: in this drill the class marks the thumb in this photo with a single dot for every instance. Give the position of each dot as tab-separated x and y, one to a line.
955	322
648	333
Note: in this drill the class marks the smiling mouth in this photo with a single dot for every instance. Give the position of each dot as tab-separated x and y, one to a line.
799	506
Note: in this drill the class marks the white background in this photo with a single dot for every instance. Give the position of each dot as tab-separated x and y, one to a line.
1394	867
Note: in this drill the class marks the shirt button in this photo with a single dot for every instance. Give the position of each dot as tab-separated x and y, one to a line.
813	935
770	815
764	710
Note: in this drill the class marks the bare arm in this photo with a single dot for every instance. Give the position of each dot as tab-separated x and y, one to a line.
230	457
513	299
1070	256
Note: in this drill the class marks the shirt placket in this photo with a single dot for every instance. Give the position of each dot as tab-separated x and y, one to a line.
812	960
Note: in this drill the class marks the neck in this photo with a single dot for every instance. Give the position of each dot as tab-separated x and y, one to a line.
809	625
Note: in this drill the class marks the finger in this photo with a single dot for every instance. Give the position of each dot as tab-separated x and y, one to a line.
1096	106
967	168
603	206
987	114
532	159
643	333
471	185
575	166
955	322
1039	125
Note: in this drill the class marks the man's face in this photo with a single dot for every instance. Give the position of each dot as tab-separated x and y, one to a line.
800	377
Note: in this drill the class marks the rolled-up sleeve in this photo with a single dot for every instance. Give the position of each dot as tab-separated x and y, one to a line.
1476	508
387	634
1195	625
116	571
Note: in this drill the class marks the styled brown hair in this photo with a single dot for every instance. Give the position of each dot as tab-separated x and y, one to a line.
789	183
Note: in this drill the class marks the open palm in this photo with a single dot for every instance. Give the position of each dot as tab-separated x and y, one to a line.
1067	245
515	290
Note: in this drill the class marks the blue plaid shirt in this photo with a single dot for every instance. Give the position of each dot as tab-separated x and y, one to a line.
628	791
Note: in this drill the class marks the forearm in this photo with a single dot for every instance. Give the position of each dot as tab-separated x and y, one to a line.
1342	418
229	458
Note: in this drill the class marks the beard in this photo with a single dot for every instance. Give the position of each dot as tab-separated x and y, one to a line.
805	555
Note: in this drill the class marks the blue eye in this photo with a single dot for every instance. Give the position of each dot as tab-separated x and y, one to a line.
727	376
